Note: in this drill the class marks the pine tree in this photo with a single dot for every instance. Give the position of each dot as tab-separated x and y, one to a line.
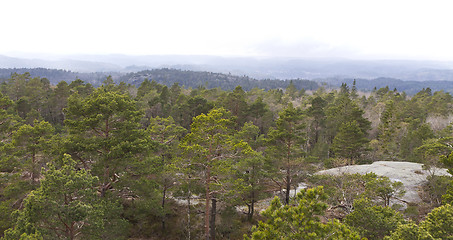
350	142
343	110
301	220
286	145
250	172
67	206
166	134
32	142
105	134
211	150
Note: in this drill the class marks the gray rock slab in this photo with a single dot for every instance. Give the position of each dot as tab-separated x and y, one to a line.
410	174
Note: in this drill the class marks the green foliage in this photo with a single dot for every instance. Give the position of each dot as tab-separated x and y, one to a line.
437	225
343	110
13	190
291	90
250	172
166	134
388	130
105	134
385	189
448	163
350	142
66	206
430	153
194	79
144	88
373	222
236	103
58	101
81	88
301	220
9	123
125	138
344	189
260	114
188	108
439	222
318	120
211	151
32	142
414	143
409	231
436	188
286	146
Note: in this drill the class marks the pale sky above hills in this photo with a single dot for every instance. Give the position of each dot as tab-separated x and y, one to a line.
342	29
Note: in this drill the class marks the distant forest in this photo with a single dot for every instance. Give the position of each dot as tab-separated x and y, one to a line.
409	87
56	75
209	80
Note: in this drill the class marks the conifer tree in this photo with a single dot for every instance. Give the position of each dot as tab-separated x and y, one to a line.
343	110
286	145
105	134
350	142
31	142
67	206
211	151
301	220
166	134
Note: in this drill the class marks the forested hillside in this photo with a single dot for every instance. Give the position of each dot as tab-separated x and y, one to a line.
165	76
409	87
195	79
146	160
55	76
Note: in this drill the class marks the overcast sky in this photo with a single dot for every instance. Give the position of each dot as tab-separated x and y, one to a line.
361	29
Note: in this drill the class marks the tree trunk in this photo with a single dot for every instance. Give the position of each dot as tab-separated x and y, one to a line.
252	205
163	208
288	185
71	232
163	194
33	167
212	218
105	185
249	209
288	172
208	198
252	209
316	133
188	209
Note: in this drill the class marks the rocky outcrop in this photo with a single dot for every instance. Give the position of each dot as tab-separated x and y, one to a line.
410	174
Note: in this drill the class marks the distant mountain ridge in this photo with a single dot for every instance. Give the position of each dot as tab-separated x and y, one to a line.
254	67
208	80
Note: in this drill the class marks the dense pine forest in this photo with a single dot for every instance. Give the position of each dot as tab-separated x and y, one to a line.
148	160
